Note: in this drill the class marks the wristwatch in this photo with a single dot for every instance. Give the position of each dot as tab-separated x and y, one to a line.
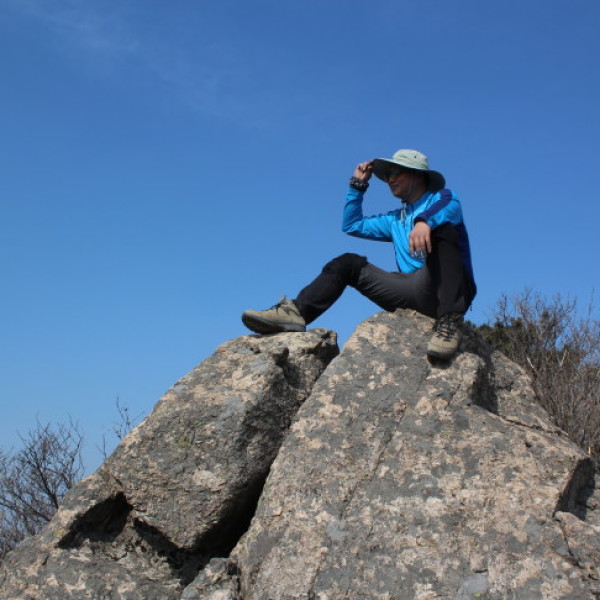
359	185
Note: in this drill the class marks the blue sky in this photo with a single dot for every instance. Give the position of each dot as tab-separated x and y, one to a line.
167	164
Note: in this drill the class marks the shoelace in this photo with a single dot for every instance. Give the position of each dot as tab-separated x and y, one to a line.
446	326
279	305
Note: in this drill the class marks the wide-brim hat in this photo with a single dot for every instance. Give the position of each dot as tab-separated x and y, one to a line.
409	159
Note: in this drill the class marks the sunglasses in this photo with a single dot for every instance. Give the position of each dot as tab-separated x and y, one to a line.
395	172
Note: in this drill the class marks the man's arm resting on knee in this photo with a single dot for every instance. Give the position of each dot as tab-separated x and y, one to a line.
446	209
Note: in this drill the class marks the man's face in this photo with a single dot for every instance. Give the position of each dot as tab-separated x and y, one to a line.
400	179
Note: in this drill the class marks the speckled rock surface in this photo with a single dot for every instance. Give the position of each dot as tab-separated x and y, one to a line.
182	487
405	480
398	479
219	580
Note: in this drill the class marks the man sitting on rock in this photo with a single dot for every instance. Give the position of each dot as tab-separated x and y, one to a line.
432	253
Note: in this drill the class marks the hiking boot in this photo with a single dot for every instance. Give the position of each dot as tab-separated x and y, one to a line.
446	337
284	316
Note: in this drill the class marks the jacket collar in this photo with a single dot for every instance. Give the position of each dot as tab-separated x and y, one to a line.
421	201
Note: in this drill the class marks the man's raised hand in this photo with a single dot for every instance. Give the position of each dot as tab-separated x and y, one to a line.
364	171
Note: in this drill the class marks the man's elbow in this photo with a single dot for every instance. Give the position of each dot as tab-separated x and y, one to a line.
353	231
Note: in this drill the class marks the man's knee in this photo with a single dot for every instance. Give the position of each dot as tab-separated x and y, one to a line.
446	232
347	267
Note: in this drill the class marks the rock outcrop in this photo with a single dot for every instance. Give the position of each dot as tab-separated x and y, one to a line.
409	481
398	479
182	486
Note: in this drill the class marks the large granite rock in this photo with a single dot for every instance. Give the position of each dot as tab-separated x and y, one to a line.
405	480
398	479
182	487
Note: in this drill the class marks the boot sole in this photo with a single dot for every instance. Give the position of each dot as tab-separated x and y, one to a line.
441	355
263	326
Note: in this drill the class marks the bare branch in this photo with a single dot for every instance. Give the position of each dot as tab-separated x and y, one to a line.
561	351
34	479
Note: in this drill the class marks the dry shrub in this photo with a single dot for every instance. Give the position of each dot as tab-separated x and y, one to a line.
560	349
34	479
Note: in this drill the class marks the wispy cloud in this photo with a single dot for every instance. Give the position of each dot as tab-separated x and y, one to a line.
210	75
79	24
207	81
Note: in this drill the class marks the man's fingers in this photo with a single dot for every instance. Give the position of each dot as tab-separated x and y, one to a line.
363	170
419	245
424	245
419	240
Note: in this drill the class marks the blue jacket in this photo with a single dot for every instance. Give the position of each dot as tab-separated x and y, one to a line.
435	208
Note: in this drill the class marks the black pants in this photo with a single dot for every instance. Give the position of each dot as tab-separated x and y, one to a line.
442	286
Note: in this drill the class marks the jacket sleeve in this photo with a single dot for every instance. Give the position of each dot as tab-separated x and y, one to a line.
372	228
445	209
